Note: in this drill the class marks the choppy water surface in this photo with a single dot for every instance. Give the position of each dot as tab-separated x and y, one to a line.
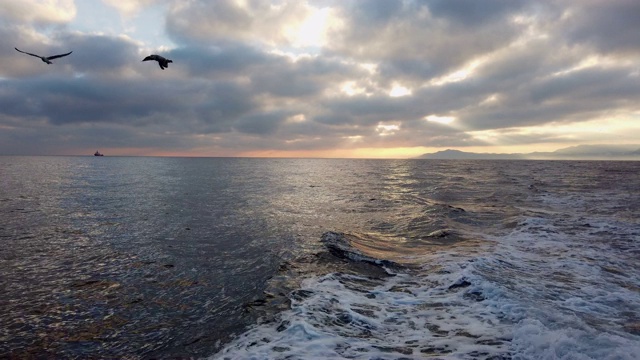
224	258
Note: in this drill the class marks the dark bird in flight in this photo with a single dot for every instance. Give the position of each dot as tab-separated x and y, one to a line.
46	59
163	62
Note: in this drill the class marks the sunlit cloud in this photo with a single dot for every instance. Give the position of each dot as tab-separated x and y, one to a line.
457	75
298	118
490	100
370	67
312	31
353	138
598	131
128	8
49	11
399	91
294	56
387	129
352	88
446	120
596	61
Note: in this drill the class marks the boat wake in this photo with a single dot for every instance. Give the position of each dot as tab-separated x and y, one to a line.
403	314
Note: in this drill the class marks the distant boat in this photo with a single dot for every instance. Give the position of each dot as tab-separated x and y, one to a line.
98	153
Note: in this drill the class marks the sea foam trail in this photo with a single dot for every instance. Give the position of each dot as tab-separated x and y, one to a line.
569	275
338	315
572	284
452	313
551	288
334	317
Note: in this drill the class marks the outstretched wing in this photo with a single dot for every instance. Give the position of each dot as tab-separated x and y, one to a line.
58	56
24	52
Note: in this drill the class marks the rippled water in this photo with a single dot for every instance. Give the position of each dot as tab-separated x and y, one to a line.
183	257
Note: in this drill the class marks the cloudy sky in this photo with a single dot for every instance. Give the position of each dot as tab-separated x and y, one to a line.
326	78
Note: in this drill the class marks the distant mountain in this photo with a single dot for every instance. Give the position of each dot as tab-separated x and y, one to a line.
580	152
457	154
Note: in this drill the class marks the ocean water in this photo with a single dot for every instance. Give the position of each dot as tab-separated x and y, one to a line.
221	258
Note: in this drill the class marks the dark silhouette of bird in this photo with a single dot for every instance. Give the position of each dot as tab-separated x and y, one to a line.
162	61
46	59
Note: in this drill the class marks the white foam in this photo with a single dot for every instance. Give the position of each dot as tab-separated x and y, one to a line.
530	297
534	340
576	289
403	316
563	284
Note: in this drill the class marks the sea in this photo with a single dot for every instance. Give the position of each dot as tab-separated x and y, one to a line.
248	258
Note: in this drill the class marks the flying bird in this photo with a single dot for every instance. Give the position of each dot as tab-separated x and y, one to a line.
162	61
46	59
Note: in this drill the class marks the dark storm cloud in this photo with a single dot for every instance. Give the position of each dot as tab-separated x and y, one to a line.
302	78
260	124
63	100
183	105
90	53
206	21
471	13
414	43
17	64
98	53
413	70
587	85
571	97
221	105
609	26
223	58
276	75
520	65
364	110
375	12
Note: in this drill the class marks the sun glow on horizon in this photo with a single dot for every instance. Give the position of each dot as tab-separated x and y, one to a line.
623	127
355	153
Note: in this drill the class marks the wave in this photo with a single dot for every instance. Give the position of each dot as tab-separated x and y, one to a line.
435	311
533	292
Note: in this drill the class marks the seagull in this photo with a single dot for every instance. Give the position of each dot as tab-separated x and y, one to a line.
163	62
46	59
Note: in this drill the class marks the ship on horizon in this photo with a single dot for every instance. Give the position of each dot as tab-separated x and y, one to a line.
97	153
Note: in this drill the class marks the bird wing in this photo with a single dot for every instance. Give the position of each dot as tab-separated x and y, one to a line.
58	56
24	52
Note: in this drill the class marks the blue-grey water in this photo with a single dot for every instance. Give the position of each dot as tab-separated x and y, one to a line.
231	258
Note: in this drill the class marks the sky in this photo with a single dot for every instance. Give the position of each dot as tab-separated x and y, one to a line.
325	78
